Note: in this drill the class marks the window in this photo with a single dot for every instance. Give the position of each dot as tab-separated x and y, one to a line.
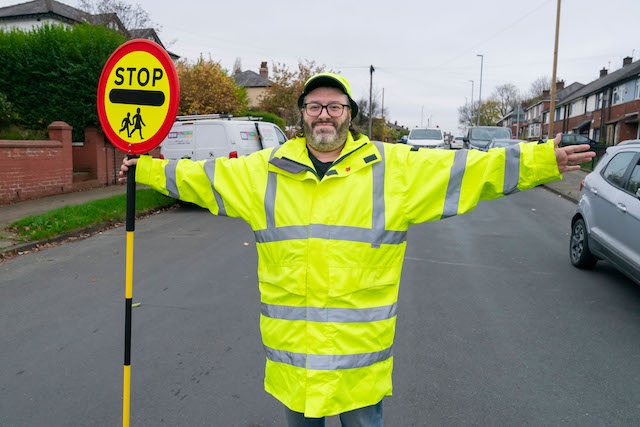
599	101
616	95
619	93
637	89
634	181
614	172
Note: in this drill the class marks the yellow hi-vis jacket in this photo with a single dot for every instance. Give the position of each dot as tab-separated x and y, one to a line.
330	251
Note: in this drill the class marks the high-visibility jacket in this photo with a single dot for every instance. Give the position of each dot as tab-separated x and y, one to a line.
330	250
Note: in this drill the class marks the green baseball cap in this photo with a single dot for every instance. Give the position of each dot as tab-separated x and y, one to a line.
328	80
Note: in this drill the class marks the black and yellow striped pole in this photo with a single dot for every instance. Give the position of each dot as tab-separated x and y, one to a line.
130	228
148	88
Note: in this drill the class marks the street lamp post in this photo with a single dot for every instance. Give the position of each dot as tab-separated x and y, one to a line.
472	108
480	90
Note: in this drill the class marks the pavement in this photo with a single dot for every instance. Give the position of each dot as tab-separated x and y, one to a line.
568	187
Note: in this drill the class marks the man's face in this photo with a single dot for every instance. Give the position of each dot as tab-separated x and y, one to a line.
325	133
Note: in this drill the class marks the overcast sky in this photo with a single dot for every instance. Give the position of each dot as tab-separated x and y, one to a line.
423	52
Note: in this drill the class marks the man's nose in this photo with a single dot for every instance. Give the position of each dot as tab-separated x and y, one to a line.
324	110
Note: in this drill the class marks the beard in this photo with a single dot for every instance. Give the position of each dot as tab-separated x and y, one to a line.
326	139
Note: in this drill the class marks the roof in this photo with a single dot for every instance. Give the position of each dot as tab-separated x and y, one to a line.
43	8
582	125
38	9
251	79
624	73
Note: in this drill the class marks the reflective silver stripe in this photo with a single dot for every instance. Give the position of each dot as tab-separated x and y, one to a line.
210	170
512	170
332	232
170	176
375	235
340	315
322	362
452	199
378	219
270	196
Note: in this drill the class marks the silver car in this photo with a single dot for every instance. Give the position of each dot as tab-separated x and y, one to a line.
606	224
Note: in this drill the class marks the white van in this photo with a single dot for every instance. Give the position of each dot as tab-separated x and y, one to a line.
210	136
425	137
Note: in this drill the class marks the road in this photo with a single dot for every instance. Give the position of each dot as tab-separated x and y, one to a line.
495	327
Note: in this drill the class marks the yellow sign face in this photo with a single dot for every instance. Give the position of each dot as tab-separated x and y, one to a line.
139	95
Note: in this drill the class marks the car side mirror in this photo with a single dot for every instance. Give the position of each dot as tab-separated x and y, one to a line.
465	139
638	193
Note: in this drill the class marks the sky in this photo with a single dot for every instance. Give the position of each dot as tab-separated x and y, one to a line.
425	53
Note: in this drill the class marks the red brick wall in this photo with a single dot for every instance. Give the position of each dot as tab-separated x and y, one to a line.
32	169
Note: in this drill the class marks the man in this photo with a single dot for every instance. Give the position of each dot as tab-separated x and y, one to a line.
330	211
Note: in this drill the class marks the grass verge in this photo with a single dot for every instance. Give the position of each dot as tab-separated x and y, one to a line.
71	218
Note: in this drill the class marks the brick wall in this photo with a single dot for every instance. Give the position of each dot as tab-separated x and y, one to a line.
32	169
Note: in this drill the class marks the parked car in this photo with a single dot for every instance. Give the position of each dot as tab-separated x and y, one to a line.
606	224
426	137
479	137
457	142
502	142
403	139
576	139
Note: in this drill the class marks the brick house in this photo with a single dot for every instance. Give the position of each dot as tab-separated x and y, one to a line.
606	109
534	114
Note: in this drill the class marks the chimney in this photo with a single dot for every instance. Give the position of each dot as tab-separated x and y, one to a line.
264	71
559	85
627	61
546	93
603	72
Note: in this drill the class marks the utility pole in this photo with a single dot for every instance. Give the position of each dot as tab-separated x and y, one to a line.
552	104
480	90
472	108
371	70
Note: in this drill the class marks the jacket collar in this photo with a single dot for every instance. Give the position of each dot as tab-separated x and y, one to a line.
292	157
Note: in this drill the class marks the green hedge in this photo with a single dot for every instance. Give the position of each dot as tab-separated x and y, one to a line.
51	73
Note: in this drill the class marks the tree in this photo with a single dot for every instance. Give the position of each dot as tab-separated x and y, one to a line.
282	97
507	97
206	88
237	66
538	86
362	119
466	116
490	113
51	73
132	16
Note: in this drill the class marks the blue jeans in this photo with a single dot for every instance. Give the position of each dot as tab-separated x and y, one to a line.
369	416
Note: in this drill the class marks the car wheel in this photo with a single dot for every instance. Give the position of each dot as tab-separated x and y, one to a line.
579	252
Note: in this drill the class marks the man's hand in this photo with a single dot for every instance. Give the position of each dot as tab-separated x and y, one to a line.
570	157
124	167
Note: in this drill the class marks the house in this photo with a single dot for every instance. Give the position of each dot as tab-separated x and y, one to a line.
26	16
606	109
534	114
514	120
256	84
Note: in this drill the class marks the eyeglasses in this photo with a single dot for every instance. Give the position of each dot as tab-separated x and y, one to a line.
313	109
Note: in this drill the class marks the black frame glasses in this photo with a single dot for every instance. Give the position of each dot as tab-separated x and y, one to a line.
334	109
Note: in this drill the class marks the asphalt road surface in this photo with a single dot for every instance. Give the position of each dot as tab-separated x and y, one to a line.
495	327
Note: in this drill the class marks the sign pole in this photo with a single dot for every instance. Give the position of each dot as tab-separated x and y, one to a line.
138	98
130	228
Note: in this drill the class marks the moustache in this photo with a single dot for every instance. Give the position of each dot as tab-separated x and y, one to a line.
324	122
